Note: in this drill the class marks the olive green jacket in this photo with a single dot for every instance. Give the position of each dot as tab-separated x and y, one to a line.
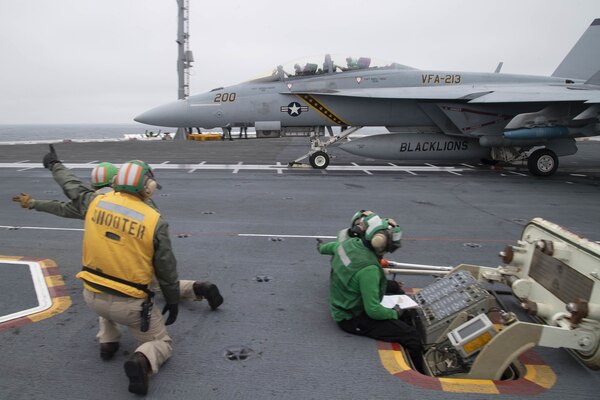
165	264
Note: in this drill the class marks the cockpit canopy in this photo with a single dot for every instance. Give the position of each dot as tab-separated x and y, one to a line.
325	65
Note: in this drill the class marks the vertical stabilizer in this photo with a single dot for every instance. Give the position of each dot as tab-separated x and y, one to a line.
583	61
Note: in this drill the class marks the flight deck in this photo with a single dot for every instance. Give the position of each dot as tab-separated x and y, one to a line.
242	219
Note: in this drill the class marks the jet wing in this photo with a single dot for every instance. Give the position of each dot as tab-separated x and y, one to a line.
474	93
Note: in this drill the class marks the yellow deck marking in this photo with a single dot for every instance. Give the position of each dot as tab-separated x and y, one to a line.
469	386
54	280
388	359
541	375
59	301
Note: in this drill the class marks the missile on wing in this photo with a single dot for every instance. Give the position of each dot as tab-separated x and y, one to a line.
537	133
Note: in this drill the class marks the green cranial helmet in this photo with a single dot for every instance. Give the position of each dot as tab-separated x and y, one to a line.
131	177
358	223
395	233
357	217
369	224
383	234
103	174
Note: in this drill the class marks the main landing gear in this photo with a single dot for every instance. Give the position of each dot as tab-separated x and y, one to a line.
542	162
318	156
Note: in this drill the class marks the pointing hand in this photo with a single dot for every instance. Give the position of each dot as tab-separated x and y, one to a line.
50	158
319	243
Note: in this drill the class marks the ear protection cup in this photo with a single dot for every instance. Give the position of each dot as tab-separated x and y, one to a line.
150	187
380	242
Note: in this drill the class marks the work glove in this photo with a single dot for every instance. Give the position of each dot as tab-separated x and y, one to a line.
398	310
24	198
173	310
319	243
50	158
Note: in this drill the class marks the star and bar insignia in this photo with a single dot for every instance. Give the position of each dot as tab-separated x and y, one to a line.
294	109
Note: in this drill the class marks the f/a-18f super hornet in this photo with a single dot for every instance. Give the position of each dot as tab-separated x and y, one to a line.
430	115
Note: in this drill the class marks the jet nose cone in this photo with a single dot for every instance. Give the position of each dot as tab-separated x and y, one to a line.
174	115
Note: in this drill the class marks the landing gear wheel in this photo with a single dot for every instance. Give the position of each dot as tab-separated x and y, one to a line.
319	160
542	162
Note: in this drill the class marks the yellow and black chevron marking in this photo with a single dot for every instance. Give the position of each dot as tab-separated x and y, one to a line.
319	107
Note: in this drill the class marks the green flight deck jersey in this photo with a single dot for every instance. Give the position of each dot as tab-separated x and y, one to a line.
357	282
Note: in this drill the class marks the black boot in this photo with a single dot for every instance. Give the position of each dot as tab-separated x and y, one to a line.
108	350
210	292
137	368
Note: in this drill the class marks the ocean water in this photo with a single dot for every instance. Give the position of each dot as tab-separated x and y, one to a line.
9	133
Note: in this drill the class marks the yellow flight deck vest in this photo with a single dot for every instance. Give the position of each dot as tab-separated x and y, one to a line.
118	242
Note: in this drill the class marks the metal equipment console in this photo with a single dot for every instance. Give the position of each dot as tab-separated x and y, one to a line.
442	301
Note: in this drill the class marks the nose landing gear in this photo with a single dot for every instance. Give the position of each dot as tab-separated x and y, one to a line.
319	160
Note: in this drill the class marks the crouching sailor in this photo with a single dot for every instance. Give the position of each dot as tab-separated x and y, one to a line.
125	244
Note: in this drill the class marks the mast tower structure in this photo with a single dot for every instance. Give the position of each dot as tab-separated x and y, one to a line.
185	56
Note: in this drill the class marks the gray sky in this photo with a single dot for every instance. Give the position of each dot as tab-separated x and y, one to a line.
105	61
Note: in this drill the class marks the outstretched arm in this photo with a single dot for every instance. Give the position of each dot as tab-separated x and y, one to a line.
58	208
327	248
71	185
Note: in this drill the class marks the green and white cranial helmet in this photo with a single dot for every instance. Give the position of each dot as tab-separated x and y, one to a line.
383	234
358	217
373	223
132	177
395	233
103	174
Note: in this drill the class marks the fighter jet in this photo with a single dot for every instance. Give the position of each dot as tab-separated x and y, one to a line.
429	115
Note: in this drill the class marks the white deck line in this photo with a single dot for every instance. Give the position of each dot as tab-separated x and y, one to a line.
22	166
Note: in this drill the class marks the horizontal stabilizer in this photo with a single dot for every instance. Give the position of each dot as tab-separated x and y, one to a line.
590	112
595	79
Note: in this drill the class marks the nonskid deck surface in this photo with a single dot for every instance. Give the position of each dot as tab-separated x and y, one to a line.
252	232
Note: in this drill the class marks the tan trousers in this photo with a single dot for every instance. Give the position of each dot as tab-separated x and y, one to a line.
155	344
186	289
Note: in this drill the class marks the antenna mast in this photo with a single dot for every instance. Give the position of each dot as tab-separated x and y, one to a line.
184	57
